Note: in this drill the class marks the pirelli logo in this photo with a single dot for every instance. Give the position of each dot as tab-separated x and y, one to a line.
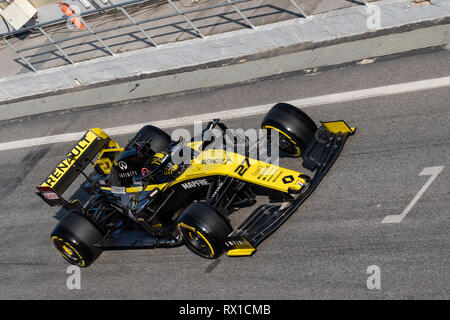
65	173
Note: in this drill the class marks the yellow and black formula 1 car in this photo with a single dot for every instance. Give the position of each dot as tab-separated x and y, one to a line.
141	198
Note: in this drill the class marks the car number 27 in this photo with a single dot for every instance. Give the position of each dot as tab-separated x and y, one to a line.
242	169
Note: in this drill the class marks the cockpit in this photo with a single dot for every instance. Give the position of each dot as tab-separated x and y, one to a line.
146	159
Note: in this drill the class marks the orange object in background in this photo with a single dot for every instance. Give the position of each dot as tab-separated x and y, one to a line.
68	11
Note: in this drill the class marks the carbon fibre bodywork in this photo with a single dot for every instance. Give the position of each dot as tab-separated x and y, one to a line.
146	213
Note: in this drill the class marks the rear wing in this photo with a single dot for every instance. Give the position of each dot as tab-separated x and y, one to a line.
93	142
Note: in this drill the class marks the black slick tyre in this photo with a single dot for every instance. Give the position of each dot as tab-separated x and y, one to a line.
296	129
160	140
75	238
204	230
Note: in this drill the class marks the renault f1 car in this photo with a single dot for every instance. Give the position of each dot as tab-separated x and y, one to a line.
140	198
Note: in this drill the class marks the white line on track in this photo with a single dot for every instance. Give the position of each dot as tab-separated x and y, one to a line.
243	112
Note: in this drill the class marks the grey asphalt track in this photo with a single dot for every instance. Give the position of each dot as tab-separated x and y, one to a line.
324	249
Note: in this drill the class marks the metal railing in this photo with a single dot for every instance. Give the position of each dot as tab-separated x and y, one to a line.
132	23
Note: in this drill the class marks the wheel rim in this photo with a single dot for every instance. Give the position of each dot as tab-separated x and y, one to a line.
196	241
286	143
68	251
288	146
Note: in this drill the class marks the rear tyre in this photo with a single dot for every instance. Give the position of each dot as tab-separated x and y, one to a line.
204	230
296	129
160	140
74	237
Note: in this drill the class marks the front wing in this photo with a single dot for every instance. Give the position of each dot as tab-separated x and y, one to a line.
318	157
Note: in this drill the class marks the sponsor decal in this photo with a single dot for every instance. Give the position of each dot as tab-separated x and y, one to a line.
118	190
70	159
275	179
238	242
288	179
122	165
128	174
267	173
195	184
222	160
50	196
217	190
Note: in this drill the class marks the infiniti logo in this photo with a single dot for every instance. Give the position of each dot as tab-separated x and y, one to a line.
122	165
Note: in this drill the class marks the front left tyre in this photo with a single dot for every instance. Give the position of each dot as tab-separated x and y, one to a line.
296	129
75	238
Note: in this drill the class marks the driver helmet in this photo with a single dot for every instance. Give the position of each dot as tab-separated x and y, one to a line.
169	169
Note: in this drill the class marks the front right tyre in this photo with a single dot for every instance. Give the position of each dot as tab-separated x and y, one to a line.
204	230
